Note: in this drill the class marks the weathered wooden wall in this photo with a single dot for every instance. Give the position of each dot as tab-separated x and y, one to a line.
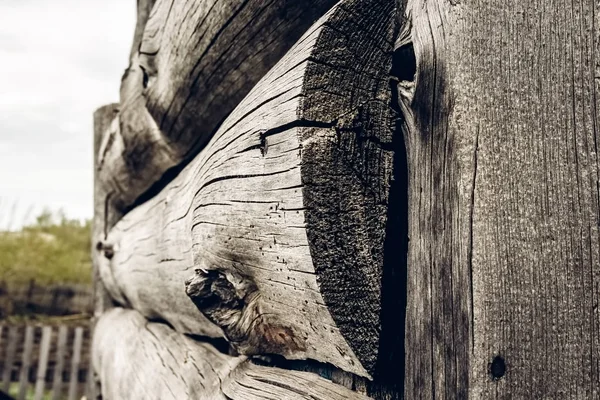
192	62
504	251
403	204
271	239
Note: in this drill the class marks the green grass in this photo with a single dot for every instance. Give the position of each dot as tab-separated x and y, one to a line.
14	392
54	249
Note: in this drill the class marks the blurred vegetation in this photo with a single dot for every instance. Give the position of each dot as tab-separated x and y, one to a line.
54	249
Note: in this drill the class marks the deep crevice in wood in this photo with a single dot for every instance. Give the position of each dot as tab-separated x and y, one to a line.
389	370
220	344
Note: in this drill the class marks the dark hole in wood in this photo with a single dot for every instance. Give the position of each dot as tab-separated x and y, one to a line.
108	252
497	368
390	366
264	146
404	65
144	77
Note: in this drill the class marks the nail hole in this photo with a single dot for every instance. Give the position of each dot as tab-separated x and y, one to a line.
404	63
497	368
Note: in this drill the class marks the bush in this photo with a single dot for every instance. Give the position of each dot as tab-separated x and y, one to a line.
55	249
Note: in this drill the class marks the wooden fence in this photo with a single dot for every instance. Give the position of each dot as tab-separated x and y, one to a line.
49	362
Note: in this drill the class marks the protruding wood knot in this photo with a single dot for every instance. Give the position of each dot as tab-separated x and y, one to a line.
497	368
232	302
109	250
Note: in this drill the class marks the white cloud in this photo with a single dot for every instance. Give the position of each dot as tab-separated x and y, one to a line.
59	61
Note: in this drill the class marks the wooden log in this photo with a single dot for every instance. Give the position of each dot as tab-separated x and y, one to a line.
195	62
105	122
144	8
40	382
151	361
283	214
255	382
25	363
140	360
504	206
9	358
75	360
61	347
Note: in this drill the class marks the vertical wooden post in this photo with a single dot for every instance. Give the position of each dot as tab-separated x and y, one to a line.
1	343
57	383
74	379
102	120
26	362
40	383
11	350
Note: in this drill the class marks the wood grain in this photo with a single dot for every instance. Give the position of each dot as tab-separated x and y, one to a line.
140	360
104	123
249	381
504	253
290	195
193	64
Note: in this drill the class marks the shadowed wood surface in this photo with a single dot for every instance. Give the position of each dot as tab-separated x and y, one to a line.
288	200
137	359
255	382
104	117
191	63
504	250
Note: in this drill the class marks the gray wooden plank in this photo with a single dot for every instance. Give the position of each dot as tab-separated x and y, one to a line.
57	383
75	360
504	222
40	383
11	349
26	362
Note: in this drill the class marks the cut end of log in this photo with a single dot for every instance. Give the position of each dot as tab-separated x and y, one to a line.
232	302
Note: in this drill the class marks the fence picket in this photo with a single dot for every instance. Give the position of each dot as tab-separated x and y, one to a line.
43	363
73	384
11	350
18	359
2	352
57	383
26	363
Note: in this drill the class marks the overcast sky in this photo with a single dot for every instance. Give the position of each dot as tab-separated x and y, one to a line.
59	61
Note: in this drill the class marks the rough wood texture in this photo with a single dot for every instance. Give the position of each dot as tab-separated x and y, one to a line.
290	196
504	254
255	382
194	63
138	359
104	117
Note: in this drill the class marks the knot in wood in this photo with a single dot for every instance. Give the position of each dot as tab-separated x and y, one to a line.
107	248
232	302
